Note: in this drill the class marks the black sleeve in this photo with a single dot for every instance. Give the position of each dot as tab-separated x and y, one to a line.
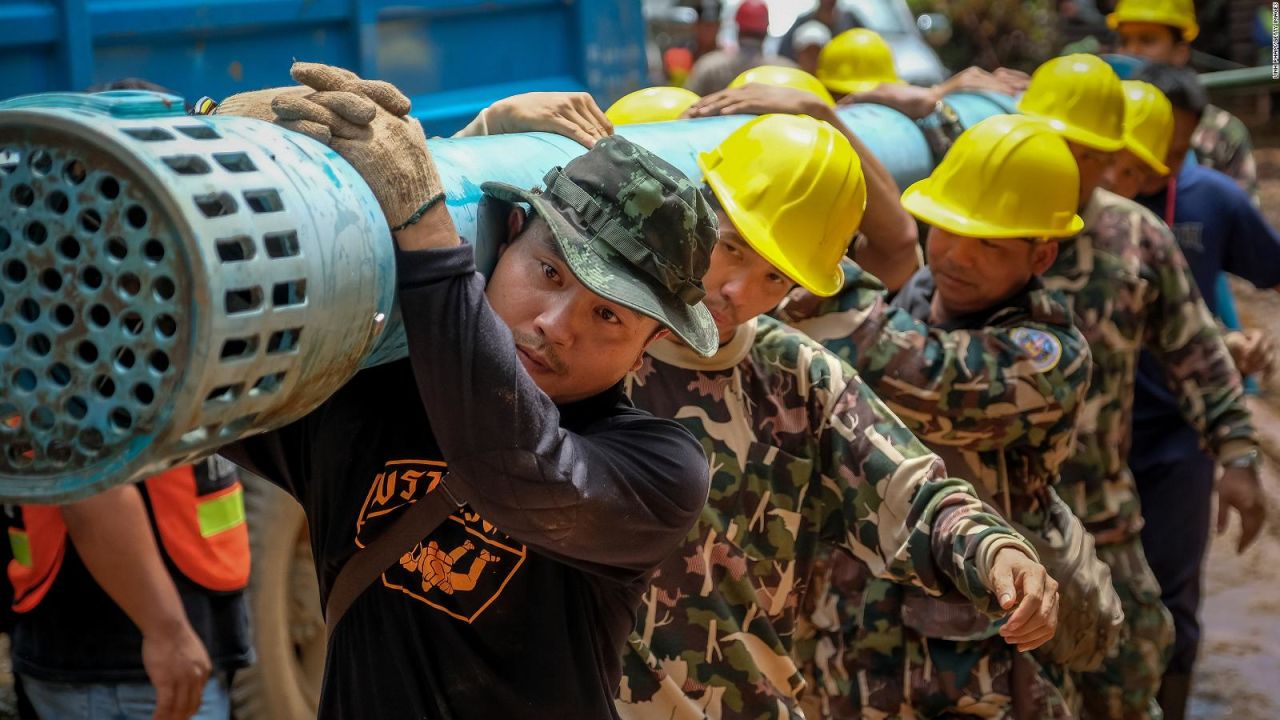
280	457
614	503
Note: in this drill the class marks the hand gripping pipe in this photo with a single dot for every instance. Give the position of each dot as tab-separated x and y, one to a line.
169	284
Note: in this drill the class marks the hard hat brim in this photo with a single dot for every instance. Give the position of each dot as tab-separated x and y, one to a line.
849	87
918	201
1145	156
759	237
1189	33
1078	134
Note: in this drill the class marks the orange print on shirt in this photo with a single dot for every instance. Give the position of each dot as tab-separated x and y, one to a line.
462	567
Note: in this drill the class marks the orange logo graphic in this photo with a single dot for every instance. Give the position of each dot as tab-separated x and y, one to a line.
462	567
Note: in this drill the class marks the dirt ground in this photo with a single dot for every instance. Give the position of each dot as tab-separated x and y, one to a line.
1239	668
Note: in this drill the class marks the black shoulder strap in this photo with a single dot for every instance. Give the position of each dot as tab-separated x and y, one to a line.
364	568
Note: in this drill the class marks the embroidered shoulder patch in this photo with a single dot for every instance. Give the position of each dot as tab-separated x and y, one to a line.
1042	348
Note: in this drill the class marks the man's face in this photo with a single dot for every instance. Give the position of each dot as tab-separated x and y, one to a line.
740	283
572	342
1154	42
975	274
1093	165
1128	175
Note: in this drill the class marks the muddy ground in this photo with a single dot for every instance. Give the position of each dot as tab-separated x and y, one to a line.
1239	670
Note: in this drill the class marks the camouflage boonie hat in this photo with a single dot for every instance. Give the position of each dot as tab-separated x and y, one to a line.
634	230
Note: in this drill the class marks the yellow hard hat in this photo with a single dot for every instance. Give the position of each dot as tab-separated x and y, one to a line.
1009	176
1148	123
793	187
1174	13
784	77
1080	97
653	104
855	61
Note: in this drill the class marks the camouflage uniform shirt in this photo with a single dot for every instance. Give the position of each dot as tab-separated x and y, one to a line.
996	394
1221	141
802	455
1130	289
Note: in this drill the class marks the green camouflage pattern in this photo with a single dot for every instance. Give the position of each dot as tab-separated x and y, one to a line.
1126	686
977	397
633	229
873	665
1130	289
803	456
1221	141
998	413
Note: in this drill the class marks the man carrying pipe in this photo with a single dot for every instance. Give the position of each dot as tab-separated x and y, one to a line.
509	414
985	366
1130	289
803	455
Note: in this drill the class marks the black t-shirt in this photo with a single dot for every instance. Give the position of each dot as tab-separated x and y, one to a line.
517	606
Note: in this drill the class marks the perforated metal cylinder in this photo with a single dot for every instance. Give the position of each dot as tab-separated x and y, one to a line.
169	284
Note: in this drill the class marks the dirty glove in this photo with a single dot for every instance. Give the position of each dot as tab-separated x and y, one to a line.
256	103
388	149
259	104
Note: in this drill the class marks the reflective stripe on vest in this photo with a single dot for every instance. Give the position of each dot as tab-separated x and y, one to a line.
199	516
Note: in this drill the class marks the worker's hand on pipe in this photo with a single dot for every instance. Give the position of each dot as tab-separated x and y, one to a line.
975	79
367	124
1023	588
758	99
1016	80
914	102
257	103
574	115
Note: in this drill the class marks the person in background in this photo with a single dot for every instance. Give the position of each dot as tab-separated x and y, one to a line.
714	70
810	39
1219	230
829	14
1161	31
130	604
1130	289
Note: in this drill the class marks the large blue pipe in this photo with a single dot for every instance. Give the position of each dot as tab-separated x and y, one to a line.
523	159
169	284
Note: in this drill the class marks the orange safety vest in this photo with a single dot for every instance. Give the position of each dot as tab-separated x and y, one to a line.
197	513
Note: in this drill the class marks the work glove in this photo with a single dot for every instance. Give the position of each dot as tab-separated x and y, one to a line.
352	113
256	103
367	123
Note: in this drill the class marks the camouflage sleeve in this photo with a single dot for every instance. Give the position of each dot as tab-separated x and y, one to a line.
986	389
1184	337
1222	142
888	501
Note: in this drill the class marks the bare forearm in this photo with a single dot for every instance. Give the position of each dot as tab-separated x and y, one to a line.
890	252
112	534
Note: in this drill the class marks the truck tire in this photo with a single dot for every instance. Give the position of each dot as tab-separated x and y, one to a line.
284	604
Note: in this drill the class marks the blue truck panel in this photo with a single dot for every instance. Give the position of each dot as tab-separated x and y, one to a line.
452	57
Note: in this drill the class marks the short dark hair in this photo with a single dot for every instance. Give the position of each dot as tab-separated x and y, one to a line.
1181	85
